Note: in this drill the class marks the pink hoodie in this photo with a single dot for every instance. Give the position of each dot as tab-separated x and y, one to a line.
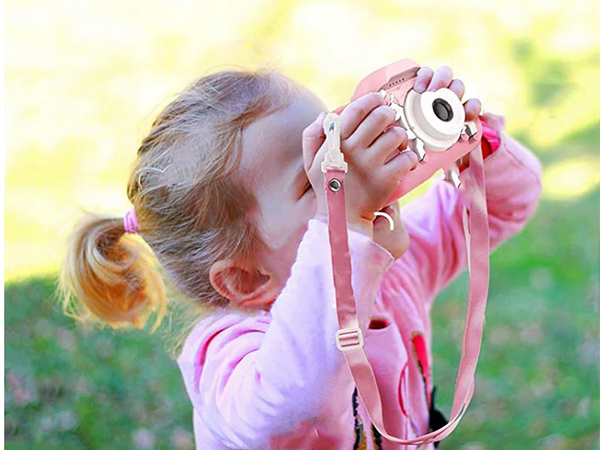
276	380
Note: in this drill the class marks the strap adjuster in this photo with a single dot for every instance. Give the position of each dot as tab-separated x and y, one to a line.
349	339
334	158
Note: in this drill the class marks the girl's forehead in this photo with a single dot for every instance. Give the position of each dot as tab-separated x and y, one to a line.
273	144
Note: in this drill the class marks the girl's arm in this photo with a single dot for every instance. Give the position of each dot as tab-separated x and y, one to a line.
438	250
254	379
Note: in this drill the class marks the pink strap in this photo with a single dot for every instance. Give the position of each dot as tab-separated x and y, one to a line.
350	339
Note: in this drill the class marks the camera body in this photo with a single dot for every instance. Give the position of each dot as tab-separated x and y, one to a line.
434	122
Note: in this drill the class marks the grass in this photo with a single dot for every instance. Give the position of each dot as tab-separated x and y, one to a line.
68	388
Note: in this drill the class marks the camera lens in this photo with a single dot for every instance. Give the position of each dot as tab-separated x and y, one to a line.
442	110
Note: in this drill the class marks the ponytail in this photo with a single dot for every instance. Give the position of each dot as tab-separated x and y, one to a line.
108	276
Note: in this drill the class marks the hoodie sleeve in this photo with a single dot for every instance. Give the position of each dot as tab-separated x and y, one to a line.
253	379
437	249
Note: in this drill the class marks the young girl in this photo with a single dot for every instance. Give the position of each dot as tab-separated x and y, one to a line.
228	193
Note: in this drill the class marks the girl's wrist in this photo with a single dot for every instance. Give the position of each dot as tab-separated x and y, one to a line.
362	226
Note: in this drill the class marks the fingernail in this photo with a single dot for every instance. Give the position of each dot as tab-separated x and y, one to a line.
420	88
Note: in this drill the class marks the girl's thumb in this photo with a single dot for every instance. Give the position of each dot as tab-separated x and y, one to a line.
314	130
313	137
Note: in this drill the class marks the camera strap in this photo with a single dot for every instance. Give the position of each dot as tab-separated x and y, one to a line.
349	338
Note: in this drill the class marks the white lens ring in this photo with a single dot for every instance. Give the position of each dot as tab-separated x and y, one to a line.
436	134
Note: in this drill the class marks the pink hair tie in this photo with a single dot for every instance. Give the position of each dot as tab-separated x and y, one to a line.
130	222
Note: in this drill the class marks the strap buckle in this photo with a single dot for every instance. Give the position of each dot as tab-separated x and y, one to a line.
349	339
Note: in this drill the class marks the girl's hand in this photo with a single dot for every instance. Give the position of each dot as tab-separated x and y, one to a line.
371	142
427	80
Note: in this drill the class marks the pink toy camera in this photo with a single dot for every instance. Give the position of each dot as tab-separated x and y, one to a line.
434	121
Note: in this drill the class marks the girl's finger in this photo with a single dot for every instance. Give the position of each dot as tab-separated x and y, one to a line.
424	76
400	165
441	79
472	109
371	128
458	87
353	114
389	144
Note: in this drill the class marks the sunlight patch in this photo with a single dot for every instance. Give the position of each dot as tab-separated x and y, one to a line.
571	178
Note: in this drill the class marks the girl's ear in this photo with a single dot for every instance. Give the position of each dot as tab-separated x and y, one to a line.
245	287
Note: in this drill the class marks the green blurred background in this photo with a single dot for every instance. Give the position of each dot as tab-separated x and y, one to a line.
85	79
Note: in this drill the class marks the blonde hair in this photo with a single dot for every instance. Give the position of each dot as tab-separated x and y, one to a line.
190	205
